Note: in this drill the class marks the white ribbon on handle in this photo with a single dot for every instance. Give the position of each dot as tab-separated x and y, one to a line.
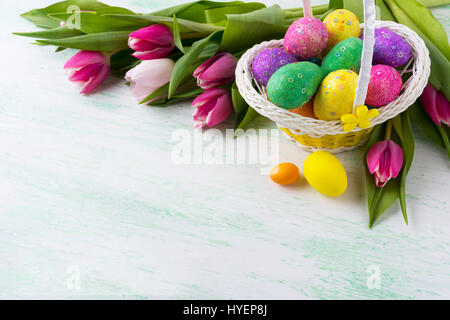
367	53
307	9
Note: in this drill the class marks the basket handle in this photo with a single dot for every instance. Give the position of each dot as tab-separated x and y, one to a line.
367	53
307	8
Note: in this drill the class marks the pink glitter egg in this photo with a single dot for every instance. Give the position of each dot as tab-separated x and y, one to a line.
384	86
306	38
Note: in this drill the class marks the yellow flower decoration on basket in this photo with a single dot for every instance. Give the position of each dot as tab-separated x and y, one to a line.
360	118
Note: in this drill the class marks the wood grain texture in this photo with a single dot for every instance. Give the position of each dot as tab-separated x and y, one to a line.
89	182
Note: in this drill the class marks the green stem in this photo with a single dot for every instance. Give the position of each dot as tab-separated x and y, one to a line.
388	130
298	12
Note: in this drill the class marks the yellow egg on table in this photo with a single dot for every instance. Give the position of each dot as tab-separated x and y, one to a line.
325	173
336	95
341	24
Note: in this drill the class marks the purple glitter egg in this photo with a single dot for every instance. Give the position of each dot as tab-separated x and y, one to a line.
268	61
390	48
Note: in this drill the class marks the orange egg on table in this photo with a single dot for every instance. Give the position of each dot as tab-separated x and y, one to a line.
306	110
284	173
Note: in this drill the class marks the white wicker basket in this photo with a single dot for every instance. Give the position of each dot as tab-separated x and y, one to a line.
314	134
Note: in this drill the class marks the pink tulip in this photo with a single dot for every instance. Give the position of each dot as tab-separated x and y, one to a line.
87	68
153	42
436	105
216	71
384	160
211	108
149	76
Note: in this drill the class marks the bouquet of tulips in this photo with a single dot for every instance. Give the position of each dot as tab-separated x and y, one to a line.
190	52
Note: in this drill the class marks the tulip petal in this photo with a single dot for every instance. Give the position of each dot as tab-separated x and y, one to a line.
374	155
396	158
443	108
428	100
208	95
156	53
221	111
205	65
96	80
85	73
83	58
149	76
158	33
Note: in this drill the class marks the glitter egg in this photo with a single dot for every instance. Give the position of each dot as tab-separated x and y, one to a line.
341	24
336	95
345	55
294	84
390	48
268	61
306	38
384	86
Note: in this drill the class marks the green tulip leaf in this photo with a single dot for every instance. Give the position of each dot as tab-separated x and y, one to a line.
185	63
244	30
100	21
429	25
239	103
105	41
55	33
176	35
185	25
440	65
245	117
418	114
407	145
40	17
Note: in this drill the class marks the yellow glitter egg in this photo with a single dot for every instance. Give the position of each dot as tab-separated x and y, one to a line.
336	95
341	24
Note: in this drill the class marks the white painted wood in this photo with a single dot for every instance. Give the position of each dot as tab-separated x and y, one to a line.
87	185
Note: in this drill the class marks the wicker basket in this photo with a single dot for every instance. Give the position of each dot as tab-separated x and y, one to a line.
314	134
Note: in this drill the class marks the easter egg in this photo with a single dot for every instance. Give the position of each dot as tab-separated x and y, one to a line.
284	173
341	24
325	173
306	110
306	38
384	86
390	48
344	55
294	84
268	61
336	95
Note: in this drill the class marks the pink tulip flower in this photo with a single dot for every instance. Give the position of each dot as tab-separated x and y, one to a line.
88	69
436	105
149	76
211	108
384	160
153	42
216	71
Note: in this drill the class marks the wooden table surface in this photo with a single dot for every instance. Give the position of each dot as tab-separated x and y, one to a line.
92	204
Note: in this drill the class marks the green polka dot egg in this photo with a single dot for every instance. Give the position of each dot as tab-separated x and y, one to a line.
345	55
294	84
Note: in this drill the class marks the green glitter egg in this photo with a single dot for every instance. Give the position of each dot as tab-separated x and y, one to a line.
344	55
294	84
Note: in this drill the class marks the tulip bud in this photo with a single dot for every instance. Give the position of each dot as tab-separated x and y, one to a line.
436	105
384	160
216	71
149	76
211	108
153	42
87	68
